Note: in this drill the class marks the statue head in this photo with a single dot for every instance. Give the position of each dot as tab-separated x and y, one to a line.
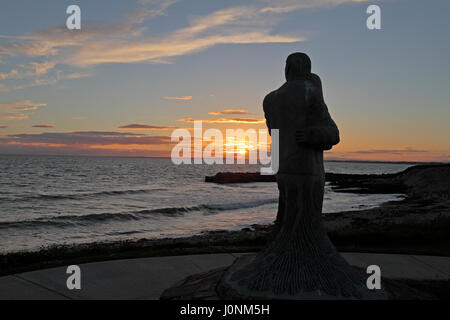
298	65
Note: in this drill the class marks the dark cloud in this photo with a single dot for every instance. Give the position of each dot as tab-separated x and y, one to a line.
43	126
86	138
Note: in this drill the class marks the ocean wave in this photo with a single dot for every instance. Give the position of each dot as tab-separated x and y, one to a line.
80	196
240	205
89	219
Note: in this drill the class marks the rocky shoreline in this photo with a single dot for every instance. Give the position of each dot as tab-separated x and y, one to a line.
414	180
419	224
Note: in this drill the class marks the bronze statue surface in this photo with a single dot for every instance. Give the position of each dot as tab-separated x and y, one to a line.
300	262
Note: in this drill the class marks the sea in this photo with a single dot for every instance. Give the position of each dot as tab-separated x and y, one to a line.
62	200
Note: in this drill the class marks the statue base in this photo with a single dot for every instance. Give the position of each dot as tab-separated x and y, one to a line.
216	284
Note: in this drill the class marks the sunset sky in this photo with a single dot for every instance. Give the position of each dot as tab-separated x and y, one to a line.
137	70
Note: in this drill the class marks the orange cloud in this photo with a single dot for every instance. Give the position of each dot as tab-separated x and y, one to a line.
16	116
287	6
24	105
228	111
136	126
178	98
11	110
10	75
125	42
226	120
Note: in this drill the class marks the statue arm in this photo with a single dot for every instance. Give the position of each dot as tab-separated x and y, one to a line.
266	108
322	133
325	134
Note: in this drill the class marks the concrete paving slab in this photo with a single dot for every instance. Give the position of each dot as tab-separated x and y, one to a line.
15	288
354	259
207	261
147	278
128	279
397	266
439	264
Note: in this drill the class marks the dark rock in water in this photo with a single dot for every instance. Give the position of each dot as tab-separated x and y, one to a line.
422	181
427	181
431	180
366	183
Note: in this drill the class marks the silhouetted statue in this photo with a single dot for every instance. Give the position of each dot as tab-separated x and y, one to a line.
300	262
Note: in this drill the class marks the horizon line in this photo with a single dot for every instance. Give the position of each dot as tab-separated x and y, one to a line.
156	157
